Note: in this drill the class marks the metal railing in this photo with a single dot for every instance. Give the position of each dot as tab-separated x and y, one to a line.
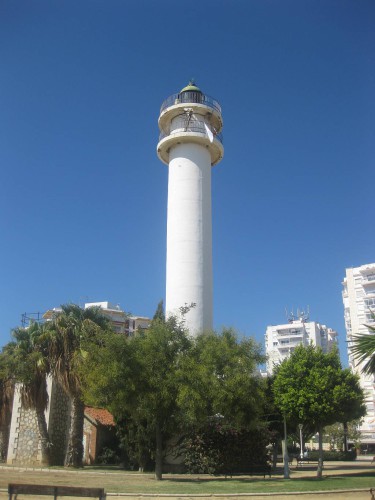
196	127
191	98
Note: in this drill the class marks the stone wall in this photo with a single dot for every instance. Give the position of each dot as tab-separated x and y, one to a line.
24	443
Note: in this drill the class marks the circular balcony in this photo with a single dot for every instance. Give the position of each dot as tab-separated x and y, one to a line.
193	134
191	98
195	127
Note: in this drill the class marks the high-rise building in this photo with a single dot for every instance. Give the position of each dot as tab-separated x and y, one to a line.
190	143
359	300
281	340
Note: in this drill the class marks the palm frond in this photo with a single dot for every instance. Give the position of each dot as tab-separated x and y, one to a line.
363	349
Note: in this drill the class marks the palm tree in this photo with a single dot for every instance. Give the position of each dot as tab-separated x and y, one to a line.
6	397
31	368
69	332
363	349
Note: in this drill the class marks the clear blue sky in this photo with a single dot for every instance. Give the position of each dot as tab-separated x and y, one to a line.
83	194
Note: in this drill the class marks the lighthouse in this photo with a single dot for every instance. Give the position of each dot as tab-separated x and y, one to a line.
190	143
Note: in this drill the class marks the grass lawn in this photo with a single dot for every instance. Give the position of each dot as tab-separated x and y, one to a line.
127	482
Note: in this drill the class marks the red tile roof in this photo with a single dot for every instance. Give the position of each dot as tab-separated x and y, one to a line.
99	415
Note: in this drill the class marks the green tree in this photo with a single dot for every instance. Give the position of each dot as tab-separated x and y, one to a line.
168	382
31	368
312	388
159	313
337	434
68	332
138	377
218	376
7	382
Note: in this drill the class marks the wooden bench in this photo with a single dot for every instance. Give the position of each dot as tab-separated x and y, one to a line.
55	491
303	461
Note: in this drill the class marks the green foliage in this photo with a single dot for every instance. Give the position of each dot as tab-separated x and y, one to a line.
70	333
137	444
7	381
137	377
159	313
31	365
218	376
222	449
166	382
312	388
335	434
363	348
108	456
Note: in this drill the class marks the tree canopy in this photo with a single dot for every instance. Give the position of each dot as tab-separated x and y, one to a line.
218	376
167	381
312	388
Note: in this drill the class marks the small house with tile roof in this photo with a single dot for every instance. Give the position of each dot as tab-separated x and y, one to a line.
98	433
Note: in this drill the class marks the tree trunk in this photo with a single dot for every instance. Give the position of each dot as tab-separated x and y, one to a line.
319	471
4	441
159	453
74	454
44	436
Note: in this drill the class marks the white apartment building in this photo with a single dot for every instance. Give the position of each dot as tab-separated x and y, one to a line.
122	322
359	299
281	340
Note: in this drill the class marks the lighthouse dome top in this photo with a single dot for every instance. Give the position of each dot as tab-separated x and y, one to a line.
190	87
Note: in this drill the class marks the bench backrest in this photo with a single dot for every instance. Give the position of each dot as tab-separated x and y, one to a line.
55	491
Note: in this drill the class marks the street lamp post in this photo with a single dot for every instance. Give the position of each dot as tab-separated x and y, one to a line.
300	439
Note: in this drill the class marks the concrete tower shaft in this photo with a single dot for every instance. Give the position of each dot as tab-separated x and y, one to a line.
190	143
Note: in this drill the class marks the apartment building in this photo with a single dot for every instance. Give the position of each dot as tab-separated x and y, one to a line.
281	340
122	322
359	300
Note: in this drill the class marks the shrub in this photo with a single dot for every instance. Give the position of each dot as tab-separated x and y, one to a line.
333	455
219	449
108	456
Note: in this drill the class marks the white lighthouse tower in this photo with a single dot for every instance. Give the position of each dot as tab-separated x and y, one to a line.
190	143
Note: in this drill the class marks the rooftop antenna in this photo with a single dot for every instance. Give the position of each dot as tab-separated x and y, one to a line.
286	314
303	316
290	316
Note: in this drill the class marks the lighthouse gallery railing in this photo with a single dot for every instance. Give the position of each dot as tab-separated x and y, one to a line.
191	97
